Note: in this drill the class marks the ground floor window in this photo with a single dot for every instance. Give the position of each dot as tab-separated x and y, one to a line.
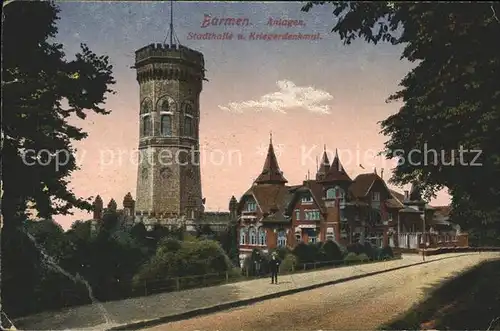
243	236
330	234
344	230
281	241
312	236
376	239
262	237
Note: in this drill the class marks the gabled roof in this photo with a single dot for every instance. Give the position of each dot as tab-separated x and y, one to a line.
270	197
309	186
271	173
362	184
396	200
336	171
398	196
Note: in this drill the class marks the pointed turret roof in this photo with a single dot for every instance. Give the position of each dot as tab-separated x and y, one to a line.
324	166
112	205
271	173
415	192
98	202
233	203
336	172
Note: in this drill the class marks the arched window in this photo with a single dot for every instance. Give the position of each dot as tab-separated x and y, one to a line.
253	236
146	126
188	109
188	120
166	125
188	126
146	106
243	236
281	242
165	105
262	237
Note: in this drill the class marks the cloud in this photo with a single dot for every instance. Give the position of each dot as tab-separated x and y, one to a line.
289	96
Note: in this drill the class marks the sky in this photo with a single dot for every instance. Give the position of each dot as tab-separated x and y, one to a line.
308	93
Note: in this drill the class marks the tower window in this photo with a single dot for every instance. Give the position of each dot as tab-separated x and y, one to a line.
146	126
166	125
146	107
188	109
165	106
188	126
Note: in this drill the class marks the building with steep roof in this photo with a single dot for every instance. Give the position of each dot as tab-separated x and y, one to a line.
330	207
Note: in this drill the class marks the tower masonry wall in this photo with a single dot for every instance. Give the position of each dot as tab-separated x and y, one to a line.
169	181
173	52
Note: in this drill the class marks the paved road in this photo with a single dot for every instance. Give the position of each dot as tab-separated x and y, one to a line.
362	304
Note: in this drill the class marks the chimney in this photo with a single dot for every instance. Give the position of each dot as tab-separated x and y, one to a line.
382	173
407	195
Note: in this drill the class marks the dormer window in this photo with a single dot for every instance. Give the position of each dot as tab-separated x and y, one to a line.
251	206
307	199
376	196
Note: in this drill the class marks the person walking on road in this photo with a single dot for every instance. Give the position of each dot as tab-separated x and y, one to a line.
274	265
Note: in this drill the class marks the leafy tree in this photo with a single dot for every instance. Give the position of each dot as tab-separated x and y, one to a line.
229	242
451	99
42	90
204	230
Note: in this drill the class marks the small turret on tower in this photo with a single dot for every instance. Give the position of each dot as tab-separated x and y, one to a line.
97	205
128	204
233	208
112	206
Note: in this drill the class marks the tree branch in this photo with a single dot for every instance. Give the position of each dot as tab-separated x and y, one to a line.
492	323
494	14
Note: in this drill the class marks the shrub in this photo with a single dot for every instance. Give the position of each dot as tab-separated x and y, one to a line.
332	251
351	257
369	251
387	252
363	257
355	248
305	253
288	264
190	258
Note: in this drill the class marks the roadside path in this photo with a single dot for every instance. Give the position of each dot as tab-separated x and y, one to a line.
362	304
135	310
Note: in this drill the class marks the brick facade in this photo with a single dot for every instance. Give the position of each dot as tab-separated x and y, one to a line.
330	207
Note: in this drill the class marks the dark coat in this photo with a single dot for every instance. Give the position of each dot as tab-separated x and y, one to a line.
274	265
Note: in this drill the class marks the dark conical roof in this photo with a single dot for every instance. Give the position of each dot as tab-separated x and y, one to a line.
271	173
336	171
324	167
415	192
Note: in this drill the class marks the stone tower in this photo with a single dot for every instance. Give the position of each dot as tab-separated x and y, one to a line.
169	180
